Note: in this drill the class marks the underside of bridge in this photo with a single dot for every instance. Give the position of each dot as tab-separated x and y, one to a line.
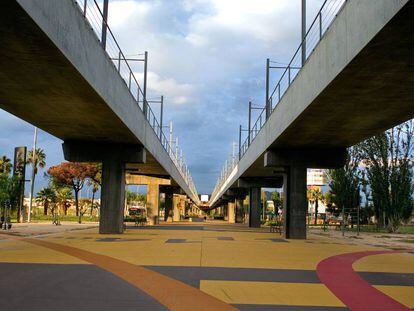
56	75
357	83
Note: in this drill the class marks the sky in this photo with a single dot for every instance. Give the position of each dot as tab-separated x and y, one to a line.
207	57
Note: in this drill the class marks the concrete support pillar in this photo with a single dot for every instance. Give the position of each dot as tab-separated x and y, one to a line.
153	197
231	212
255	207
113	158
295	213
112	197
168	204
239	211
176	207
226	212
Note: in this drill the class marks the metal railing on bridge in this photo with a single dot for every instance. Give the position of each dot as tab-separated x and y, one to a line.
97	19
321	23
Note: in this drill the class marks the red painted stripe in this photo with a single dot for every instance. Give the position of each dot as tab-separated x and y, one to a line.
337	274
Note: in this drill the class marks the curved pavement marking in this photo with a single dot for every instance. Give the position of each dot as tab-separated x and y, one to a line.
337	274
173	294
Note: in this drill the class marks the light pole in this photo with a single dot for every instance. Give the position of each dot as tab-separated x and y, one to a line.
303	32
161	102
144	90
104	22
145	108
250	117
33	174
161	115
267	91
176	150
171	137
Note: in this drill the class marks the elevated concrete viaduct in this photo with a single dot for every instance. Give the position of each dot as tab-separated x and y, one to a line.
356	82
56	75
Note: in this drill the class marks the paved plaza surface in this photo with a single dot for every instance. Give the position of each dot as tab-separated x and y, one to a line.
200	266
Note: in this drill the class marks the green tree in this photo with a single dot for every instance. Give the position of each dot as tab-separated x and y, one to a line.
46	197
38	161
95	182
344	183
315	195
84	203
277	201
9	191
389	168
63	198
5	165
73	175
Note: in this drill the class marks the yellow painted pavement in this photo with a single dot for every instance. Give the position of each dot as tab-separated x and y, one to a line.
269	293
22	252
403	294
203	248
397	263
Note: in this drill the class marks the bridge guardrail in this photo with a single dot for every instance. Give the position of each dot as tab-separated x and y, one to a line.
94	15
321	23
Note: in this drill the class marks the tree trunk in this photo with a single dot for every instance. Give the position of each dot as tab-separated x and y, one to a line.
316	211
65	209
93	198
45	207
77	202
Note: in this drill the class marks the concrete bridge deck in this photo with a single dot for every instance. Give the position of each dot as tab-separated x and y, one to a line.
357	82
56	75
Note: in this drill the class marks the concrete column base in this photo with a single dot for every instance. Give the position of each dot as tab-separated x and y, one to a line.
231	212
153	195
168	205
176	208
112	197
295	212
255	207
239	211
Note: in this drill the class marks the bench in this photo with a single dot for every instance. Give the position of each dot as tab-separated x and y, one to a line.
140	222
276	228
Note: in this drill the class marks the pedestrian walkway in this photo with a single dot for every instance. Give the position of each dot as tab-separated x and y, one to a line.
209	266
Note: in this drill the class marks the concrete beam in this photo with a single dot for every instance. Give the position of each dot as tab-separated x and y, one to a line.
237	193
260	182
310	158
132	179
82	151
172	189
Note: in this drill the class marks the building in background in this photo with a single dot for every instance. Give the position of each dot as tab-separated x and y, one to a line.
316	177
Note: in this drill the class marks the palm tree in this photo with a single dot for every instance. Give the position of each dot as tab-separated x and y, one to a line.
95	183
45	197
317	195
63	198
314	195
38	161
5	165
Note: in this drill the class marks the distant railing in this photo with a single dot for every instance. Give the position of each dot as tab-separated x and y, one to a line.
316	31
94	14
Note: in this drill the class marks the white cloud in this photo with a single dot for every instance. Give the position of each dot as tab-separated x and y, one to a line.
174	92
207	57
